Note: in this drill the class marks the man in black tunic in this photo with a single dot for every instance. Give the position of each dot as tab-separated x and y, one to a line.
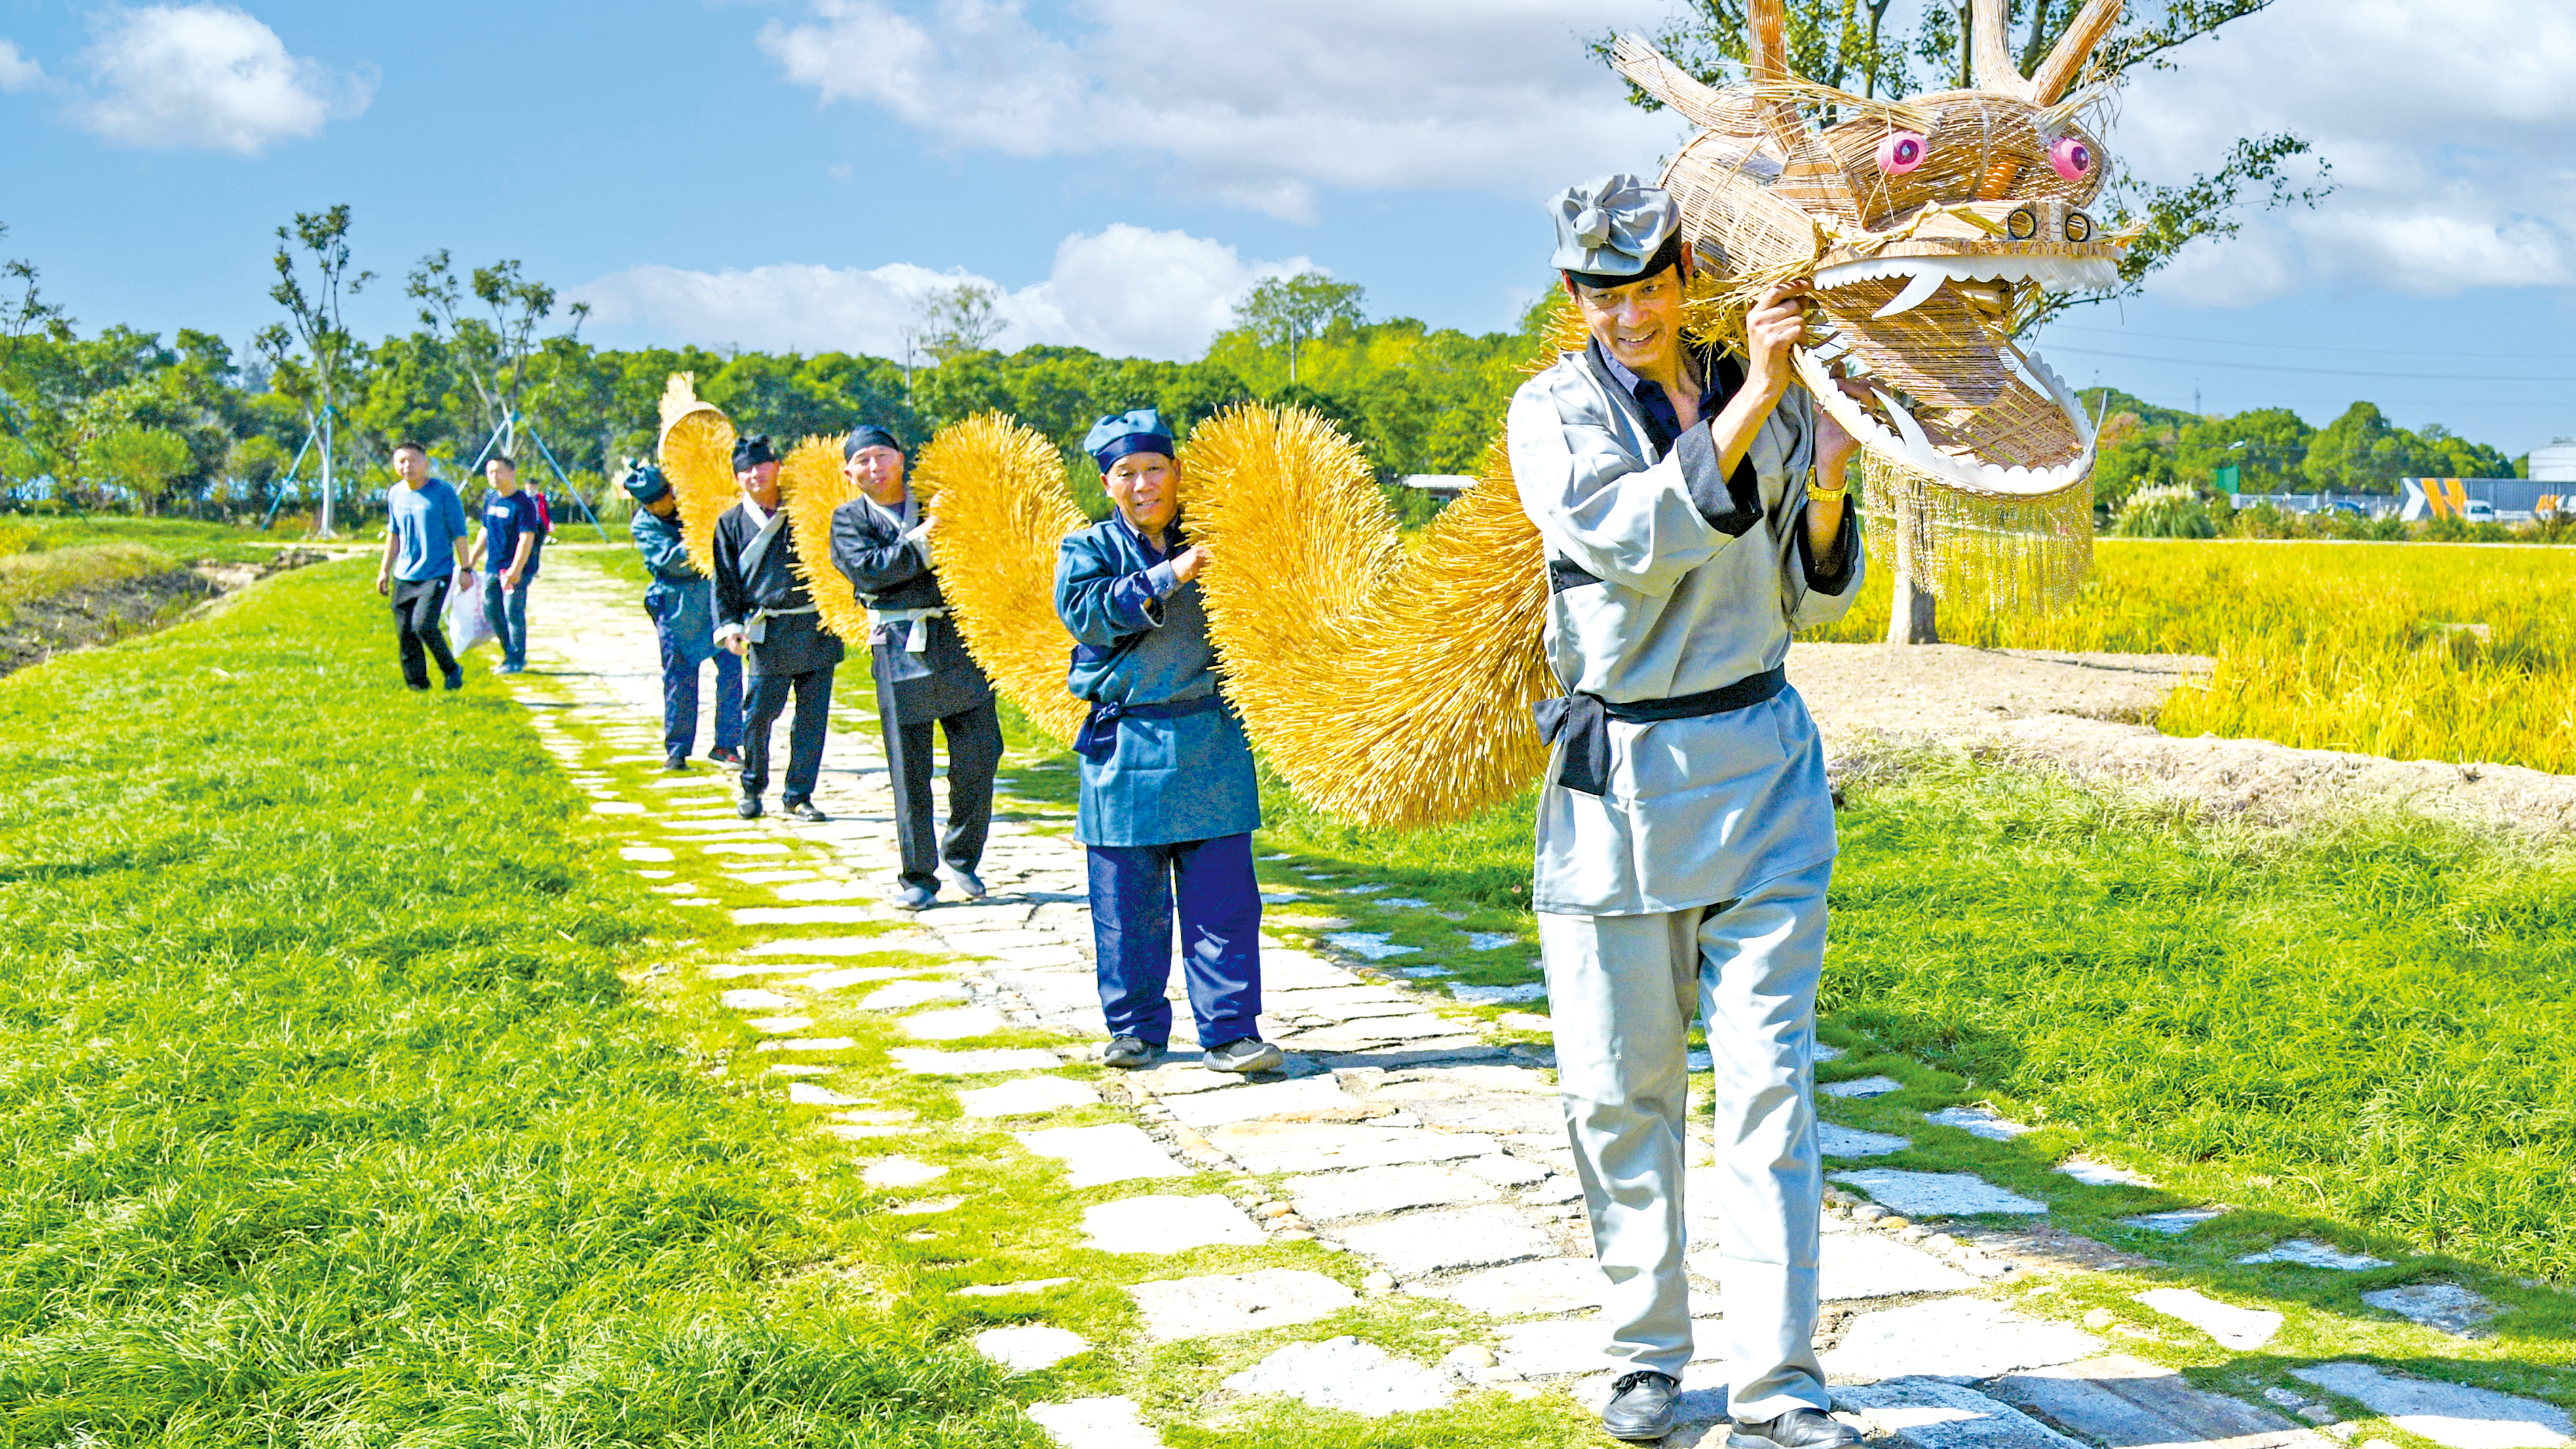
924	675
764	613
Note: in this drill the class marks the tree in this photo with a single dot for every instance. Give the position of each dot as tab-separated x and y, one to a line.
142	461
331	354
1290	310
490	355
955	320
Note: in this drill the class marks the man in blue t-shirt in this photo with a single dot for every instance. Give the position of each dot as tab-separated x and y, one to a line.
424	546
513	530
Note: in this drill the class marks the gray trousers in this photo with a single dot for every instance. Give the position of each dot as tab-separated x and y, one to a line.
1621	990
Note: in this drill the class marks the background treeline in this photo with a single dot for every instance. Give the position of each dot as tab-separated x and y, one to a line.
2145	446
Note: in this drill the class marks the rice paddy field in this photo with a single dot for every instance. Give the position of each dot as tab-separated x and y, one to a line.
2458	652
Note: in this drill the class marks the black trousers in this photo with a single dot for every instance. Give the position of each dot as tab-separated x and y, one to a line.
974	752
764	700
420	623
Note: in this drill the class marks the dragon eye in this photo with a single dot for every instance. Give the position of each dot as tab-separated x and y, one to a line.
2023	224
1901	152
2072	158
2079	227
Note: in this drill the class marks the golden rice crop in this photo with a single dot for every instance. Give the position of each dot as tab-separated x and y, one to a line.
2411	650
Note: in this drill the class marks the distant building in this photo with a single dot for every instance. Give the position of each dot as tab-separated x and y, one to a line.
2507	499
2367	505
2555	463
1443	486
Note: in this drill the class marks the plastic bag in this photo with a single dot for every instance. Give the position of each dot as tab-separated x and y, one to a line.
467	624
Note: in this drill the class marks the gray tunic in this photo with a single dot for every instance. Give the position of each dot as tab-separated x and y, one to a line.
1671	579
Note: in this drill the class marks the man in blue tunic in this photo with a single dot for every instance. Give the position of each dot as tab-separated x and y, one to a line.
1691	505
682	609
1169	803
765	614
925	679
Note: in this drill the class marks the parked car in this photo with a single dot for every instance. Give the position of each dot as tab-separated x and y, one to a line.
2480	511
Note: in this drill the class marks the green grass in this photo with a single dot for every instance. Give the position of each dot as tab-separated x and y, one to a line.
186	540
26	577
327	1118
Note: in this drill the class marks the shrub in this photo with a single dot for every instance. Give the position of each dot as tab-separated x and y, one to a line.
2172	511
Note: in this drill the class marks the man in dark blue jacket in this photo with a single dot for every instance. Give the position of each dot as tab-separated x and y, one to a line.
1169	802
765	614
678	603
924	676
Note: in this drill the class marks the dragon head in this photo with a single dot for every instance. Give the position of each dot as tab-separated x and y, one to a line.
1933	229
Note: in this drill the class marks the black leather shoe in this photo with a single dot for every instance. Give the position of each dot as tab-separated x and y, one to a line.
748	807
1130	1052
1796	1429
676	764
456	680
1641	1406
804	810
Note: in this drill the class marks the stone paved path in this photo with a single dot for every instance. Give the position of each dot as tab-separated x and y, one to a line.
1419	1141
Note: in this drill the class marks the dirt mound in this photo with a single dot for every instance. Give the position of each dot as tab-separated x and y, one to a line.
130	590
2091	714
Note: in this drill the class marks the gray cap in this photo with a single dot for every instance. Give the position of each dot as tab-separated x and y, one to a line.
1612	227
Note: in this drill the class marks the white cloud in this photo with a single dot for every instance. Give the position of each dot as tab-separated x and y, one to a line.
1125	292
2446	126
17	72
1260	105
209	77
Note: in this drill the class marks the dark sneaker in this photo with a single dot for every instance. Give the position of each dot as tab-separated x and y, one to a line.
1130	1053
1251	1054
456	680
675	763
968	883
1641	1406
804	810
1796	1429
725	755
915	898
748	807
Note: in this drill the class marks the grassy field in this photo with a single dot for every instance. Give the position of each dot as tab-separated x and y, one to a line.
326	1117
185	540
2416	650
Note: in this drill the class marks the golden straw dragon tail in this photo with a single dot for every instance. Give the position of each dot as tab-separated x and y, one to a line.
997	490
697	458
1389	686
812	487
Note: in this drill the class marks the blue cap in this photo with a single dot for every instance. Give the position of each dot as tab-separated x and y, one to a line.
644	482
1113	438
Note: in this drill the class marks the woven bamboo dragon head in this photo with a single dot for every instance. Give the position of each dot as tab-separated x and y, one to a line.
1933	229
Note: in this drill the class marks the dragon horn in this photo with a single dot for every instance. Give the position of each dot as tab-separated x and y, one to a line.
1990	44
1731	112
2074	47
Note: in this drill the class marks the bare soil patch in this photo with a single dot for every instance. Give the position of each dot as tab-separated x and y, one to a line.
2093	715
87	615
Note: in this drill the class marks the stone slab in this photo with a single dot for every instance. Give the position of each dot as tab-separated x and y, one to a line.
1333	1146
1861	1087
806	1094
2094	1173
834	980
1245	1103
1371	945
1177	1308
1557	1347
954	1024
843	945
1112	1152
1497	1112
1345	1373
1962	1339
1163	1224
1521	1290
807	1044
924	1062
2446	1413
1520	995
754	847
1415	1054
1026	1097
1979	1120
643	852
1872	1265
2048	1248
1504	1171
2120	1402
778	1025
2175	1223
2446	1306
1027	1348
2309	1253
799	915
1333	1196
1929	1414
1936	1194
900	1172
753	998
2234	1327
1434	1242
905	995
1835	1141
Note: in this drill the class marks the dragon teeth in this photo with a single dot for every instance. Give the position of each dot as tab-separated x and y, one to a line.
1916	293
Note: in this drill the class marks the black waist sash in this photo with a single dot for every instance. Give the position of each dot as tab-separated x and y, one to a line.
1582	721
1098	737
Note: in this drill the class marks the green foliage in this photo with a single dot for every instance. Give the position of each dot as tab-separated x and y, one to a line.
329	1119
143	462
1288	311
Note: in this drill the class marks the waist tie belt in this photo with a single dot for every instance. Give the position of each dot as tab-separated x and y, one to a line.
1582	721
756	628
1098	737
919	619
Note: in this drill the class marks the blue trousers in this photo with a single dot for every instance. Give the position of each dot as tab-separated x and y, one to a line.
764	702
1132	895
680	698
506	610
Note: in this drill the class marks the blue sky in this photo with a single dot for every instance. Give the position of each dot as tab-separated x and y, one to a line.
792	173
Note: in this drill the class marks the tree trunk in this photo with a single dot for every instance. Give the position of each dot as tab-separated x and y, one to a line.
1910	613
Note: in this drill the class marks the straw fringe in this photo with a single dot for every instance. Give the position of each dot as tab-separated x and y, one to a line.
1388	687
2025	554
998	489
697	459
811	487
